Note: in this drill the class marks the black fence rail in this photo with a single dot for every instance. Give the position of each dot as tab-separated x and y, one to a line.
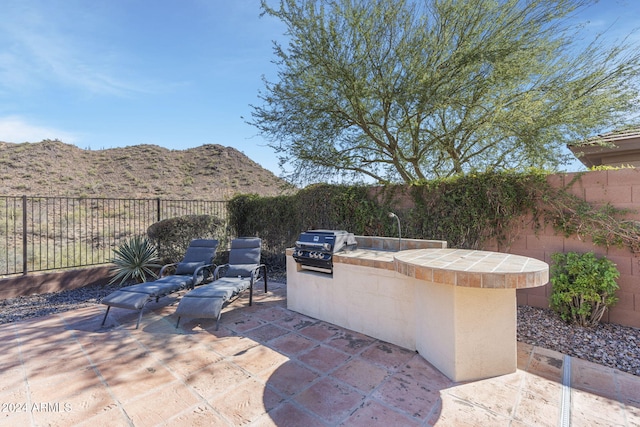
51	233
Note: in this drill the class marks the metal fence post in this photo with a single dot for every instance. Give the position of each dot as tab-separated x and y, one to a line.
60	232
24	235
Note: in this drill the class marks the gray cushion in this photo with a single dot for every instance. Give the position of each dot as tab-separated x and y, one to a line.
246	242
202	308
210	291
240	270
134	297
188	268
245	250
236	284
207	301
201	250
160	287
123	299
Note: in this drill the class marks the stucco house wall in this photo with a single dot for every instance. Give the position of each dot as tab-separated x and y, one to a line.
619	149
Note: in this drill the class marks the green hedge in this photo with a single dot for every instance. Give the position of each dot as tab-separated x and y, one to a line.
466	211
172	236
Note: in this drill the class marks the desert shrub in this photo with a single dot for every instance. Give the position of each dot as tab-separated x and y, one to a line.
584	287
135	259
172	236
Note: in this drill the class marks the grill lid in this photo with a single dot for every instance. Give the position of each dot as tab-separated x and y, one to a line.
315	248
326	240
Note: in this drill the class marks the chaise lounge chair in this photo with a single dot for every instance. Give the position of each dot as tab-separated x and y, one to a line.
188	273
230	280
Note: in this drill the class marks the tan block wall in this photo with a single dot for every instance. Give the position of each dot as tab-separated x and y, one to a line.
41	283
621	188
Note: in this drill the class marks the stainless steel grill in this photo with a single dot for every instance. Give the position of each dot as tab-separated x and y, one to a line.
315	248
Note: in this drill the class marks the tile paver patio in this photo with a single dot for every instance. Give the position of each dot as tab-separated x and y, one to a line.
268	366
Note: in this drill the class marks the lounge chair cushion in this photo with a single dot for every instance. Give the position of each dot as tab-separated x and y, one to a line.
188	267
199	250
240	270
226	287
125	299
245	251
209	291
201	308
134	297
235	285
207	301
164	285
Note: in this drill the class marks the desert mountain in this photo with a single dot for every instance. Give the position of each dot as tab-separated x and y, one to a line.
208	172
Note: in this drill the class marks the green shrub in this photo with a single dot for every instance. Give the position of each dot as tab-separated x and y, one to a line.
470	211
172	236
583	287
135	259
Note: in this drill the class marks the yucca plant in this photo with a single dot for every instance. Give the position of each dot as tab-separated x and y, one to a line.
135	259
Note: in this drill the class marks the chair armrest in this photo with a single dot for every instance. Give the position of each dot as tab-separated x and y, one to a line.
218	270
164	268
199	270
255	274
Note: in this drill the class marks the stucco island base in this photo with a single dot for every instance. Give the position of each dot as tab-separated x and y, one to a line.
456	307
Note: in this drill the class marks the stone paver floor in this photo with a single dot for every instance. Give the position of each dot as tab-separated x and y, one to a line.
268	366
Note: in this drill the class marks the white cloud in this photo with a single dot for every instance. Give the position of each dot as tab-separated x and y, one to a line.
16	129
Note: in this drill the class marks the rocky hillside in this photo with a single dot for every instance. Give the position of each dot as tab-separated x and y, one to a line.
209	172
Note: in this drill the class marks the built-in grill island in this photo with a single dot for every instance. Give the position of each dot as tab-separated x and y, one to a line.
315	248
455	307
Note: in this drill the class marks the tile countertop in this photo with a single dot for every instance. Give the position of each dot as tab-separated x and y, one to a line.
474	269
455	267
367	257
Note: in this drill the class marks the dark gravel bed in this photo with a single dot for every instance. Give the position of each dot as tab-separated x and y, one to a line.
19	308
607	344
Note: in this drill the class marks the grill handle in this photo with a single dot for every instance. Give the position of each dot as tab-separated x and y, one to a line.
306	245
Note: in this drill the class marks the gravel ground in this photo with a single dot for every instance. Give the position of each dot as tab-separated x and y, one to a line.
15	309
607	344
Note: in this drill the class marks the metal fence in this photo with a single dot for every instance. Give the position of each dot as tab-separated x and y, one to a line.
50	233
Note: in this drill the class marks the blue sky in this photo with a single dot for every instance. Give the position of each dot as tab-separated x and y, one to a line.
175	73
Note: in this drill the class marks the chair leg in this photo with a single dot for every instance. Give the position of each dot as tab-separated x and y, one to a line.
105	315
178	322
142	309
218	319
139	318
264	275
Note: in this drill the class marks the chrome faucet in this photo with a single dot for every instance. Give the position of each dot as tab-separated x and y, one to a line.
392	215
